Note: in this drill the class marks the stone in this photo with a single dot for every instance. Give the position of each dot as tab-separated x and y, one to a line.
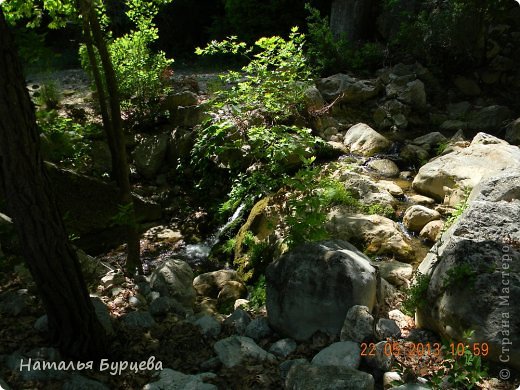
240	303
111	280
230	292
343	353
312	286
188	116
414	154
234	350
174	278
421	200
429	141
149	154
467	86
138	320
184	99
102	314
380	360
176	380
386	329
413	94
378	235
490	118
180	145
286	366
367	191
79	382
364	140
389	378
258	329
283	348
416	217
475	270
239	320
42	324
164	305
209	326
358	325
432	230
348	89
313	99
391	187
313	377
458	110
384	167
513	132
395	272
209	284
465	168
14	303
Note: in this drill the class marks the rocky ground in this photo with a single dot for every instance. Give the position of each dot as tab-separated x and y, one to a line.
333	316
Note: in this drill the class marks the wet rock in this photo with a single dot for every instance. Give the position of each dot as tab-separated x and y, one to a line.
364	140
234	350
358	325
311	288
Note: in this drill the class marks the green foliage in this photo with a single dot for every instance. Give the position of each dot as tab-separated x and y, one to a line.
441	147
416	294
48	95
329	55
257	295
459	209
64	141
124	216
379	209
463	370
257	256
460	275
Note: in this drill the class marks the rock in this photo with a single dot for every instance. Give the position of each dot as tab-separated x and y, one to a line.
386	329
231	291
239	320
111	280
240	303
378	235
209	284
467	86
209	326
343	353
348	89
413	154
475	271
490	118
102	314
421	200
14	303
164	305
389	378
411	386
286	366
283	348
180	145
429	141
150	153
380	360
3	385
258	329
234	350
384	167
362	139
513	132
358	325
79	382
313	99
175	380
184	99
311	288
42	324
413	94
395	272
174	278
367	191
312	377
432	230
465	168
391	187
416	217
188	116
138	320
101	157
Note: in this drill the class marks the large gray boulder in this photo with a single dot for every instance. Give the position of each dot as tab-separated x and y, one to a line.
311	288
465	168
347	89
313	377
174	278
150	154
362	139
475	271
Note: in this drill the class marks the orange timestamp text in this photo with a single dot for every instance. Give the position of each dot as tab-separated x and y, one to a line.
394	348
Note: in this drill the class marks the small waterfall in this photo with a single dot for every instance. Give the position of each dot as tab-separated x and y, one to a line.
196	253
404	230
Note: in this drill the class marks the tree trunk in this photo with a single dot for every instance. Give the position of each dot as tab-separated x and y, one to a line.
115	135
351	19
50	258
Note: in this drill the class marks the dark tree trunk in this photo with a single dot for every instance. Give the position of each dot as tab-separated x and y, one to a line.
351	19
114	130
50	258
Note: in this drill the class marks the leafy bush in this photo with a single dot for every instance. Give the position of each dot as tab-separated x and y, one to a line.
416	294
48	96
258	296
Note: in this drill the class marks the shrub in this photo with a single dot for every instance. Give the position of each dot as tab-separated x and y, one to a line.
416	294
258	296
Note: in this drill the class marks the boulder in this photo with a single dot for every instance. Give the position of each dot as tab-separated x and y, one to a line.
475	271
465	168
174	278
283	348
358	325
258	329
384	167
343	353
414	154
209	284
376	234
467	86
313	99
209	326
367	191
348	89
513	132
234	350
432	230
138	320
430	141
230	292
491	118
238	320
386	328
391	187
362	139
313	377
381	360
311	288
150	153
395	272
416	217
